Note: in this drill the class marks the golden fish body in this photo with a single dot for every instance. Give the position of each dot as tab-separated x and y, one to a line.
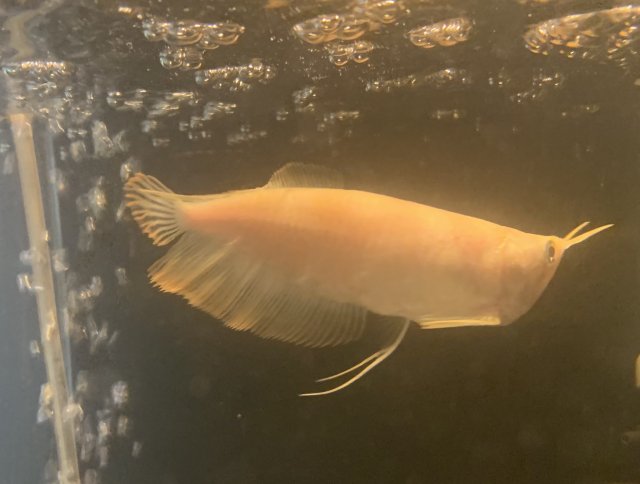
303	260
391	256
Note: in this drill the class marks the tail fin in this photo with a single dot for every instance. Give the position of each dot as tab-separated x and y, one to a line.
154	207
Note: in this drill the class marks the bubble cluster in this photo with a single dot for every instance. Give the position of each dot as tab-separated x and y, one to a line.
602	35
236	78
448	114
339	32
127	101
449	77
186	41
120	394
445	33
540	86
107	424
217	109
93	203
379	11
100	405
35	84
244	135
304	100
325	28
166	111
103	145
363	17
338	117
68	108
81	298
580	110
170	103
337	124
157	104
38	71
341	53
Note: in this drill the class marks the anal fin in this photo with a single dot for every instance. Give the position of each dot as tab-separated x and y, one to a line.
459	322
223	280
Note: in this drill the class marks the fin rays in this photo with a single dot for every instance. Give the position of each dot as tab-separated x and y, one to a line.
247	295
305	175
153	206
369	363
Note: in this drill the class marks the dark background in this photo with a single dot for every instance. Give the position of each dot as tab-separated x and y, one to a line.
543	400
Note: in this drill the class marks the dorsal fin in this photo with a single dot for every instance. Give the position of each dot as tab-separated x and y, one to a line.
305	175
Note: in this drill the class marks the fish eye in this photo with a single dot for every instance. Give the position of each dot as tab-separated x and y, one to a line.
550	252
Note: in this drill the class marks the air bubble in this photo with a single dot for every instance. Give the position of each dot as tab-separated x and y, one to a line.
9	163
97	198
103	456
58	180
128	168
121	211
60	260
98	336
73	412
26	257
91	476
136	449
82	383
103	145
123	426
95	287
45	403
85	240
25	282
78	150
89	224
34	348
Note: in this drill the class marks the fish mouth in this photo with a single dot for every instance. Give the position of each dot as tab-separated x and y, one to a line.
572	238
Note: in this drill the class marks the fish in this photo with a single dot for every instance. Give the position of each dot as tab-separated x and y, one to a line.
304	260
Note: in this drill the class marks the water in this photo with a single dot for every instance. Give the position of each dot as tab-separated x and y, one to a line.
520	112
